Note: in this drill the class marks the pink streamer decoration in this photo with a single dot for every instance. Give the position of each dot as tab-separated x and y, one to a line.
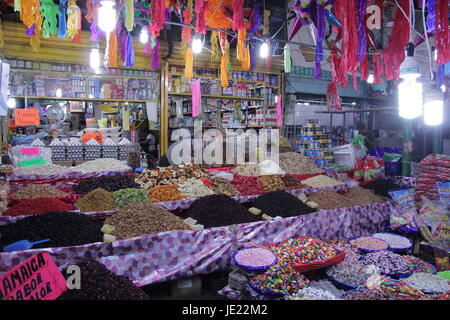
238	14
279	112
196	98
158	15
200	21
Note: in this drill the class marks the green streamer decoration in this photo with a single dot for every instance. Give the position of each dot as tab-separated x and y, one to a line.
49	11
287	58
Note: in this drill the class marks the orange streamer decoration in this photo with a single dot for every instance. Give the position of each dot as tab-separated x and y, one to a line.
242	36
217	15
246	61
224	71
189	64
112	52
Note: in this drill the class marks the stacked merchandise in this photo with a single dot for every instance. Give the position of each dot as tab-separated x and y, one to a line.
122	148
58	150
92	150
110	149
315	143
435	167
75	150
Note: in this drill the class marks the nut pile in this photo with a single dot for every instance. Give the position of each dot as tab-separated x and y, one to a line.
128	196
272	182
37	191
295	163
108	183
292	183
99	165
194	188
362	196
329	200
170	175
96	200
64	229
143	218
223	186
428	282
249	170
101	284
321	181
164	193
42	169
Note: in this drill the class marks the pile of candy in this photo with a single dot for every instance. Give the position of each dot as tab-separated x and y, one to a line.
418	265
394	241
388	262
255	258
310	293
429	282
349	272
369	244
304	250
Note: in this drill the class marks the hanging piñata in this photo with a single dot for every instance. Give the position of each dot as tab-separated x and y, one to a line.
158	8
49	11
62	21
73	19
129	15
200	10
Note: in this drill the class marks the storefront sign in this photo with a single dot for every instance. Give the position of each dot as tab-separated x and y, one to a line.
38	278
33	150
32	162
27	117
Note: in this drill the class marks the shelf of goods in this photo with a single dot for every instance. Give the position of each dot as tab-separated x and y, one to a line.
53	81
183	253
248	102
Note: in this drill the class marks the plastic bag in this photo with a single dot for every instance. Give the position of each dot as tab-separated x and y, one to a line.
24	156
359	146
407	212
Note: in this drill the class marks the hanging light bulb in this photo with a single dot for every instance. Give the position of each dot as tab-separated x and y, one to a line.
197	45
410	92
95	60
433	114
143	37
58	93
11	103
370	78
264	50
107	16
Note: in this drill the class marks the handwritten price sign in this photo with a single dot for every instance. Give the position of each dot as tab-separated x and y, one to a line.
27	117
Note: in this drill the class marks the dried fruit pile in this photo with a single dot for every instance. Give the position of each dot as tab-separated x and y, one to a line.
165	193
96	200
272	182
107	183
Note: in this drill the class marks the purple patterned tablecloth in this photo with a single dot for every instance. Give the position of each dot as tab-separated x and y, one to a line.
407	182
176	254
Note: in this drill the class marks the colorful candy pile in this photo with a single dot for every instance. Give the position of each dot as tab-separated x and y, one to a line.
388	262
418	265
428	282
369	243
349	272
255	258
395	241
401	289
304	250
310	293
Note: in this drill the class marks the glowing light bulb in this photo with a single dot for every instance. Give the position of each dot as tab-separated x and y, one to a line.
11	103
433	114
197	45
370	78
95	60
58	93
143	37
107	16
264	50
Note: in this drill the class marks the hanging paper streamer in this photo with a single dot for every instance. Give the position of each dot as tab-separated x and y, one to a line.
112	50
129	51
196	98
333	99
266	22
218	14
431	16
279	111
256	19
238	15
320	18
186	33
223	41
378	69
362	44
394	54
200	21
158	8
242	36
155	55
227	53
442	38
224	71
49	11
215	54
62	22
364	67
189	64
90	11
30	12
73	12
246	62
2	42
287	58
129	15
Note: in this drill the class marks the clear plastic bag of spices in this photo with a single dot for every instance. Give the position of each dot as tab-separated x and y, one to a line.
134	156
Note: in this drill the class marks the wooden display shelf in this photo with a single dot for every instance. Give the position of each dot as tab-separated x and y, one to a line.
216	97
82	99
84	74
